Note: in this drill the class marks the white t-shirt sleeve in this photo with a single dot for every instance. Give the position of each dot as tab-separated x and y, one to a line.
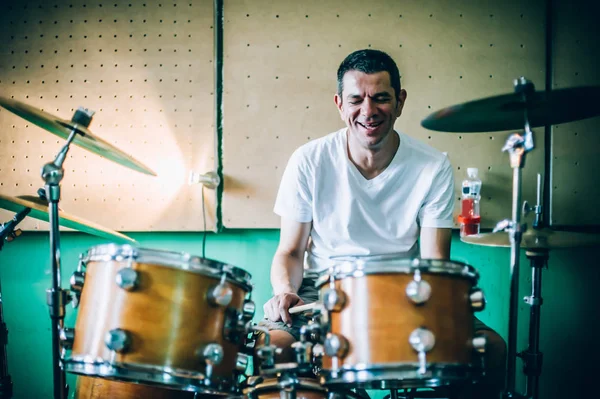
438	206
294	198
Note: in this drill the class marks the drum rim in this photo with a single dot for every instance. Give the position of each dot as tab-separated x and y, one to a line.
369	376
362	267
174	259
273	383
192	381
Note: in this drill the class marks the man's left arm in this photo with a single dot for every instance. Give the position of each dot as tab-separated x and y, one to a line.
435	216
435	243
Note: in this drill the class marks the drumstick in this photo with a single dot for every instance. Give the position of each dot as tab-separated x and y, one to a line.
302	308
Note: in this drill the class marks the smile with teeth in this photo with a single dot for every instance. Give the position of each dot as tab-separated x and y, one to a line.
370	126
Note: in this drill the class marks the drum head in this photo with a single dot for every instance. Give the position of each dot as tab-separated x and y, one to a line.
176	260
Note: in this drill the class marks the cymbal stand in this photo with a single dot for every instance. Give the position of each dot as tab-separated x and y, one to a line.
538	258
517	146
7	233
57	298
532	357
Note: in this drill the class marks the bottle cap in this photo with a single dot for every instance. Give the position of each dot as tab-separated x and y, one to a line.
472	172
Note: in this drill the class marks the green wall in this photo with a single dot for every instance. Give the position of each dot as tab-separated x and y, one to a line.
569	316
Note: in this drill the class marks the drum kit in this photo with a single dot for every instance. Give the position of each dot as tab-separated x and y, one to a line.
154	323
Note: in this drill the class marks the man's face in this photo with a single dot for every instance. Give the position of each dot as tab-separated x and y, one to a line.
369	107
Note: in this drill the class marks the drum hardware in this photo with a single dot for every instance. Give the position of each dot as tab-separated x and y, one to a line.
418	290
266	352
8	233
422	340
52	173
212	354
238	324
525	108
221	294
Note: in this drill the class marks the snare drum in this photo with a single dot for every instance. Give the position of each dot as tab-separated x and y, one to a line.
400	323
159	317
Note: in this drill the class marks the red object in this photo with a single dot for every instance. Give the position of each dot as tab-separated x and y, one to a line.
467	207
469	225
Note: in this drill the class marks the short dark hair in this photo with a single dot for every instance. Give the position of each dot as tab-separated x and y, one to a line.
369	61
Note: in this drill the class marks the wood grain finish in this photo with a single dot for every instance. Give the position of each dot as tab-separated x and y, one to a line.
167	316
98	388
378	318
307	389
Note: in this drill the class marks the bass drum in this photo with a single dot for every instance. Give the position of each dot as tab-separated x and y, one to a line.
99	388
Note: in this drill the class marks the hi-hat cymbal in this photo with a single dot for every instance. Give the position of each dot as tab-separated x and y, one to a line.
506	112
39	210
84	138
543	238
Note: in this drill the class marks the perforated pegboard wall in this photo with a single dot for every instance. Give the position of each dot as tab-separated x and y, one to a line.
576	145
280	77
146	68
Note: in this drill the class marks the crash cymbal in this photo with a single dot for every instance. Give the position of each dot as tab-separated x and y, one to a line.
39	210
84	138
543	238
506	112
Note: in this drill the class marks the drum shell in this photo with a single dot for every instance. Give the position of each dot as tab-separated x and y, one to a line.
99	388
378	318
168	317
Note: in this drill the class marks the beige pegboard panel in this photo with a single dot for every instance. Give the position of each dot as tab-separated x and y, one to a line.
576	145
280	78
146	68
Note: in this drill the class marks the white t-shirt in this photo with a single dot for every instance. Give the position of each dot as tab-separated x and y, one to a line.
353	217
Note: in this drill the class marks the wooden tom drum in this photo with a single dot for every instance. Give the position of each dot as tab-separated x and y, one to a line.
400	323
159	317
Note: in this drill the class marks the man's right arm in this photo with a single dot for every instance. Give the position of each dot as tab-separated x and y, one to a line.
287	269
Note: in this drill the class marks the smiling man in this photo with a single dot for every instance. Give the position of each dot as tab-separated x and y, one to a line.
364	192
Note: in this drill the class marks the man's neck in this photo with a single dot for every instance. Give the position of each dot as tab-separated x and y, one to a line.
372	161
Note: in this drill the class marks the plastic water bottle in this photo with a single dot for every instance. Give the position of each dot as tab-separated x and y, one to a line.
470	216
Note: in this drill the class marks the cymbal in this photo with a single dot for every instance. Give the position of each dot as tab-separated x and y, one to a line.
506	112
543	238
39	210
84	138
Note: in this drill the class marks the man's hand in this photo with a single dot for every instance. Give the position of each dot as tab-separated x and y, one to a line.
277	308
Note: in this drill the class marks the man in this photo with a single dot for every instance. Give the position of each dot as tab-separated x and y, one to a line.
365	191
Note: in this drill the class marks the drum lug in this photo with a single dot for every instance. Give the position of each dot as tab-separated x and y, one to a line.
418	290
76	281
127	279
422	341
241	362
221	294
248	310
335	345
311	332
235	325
477	300
479	343
212	354
117	340
334	299
303	351
67	337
